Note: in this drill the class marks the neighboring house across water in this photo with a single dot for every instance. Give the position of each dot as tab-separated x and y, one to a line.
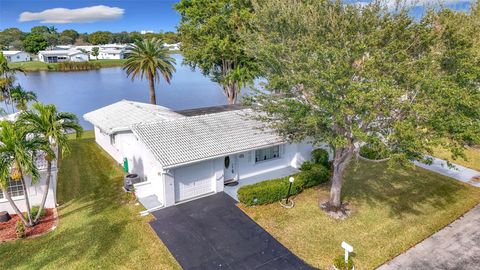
173	46
106	51
56	56
16	56
188	154
35	191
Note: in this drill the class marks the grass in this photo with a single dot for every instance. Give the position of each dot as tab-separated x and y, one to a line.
41	66
472	160
392	211
95	230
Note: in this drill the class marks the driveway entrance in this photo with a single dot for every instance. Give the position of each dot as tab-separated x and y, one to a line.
213	233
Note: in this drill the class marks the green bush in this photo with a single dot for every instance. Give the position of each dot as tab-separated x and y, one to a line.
34	212
374	151
274	190
20	229
76	66
340	264
307	165
320	156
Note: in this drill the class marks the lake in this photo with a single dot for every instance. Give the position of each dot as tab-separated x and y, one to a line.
82	91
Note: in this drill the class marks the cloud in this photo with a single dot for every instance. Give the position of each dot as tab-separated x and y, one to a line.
78	15
420	3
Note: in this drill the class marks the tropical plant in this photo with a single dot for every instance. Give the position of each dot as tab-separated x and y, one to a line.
209	32
21	98
347	75
46	122
18	150
7	78
149	59
95	51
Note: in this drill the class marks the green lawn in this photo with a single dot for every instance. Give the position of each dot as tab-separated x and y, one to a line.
472	157
39	66
392	211
96	231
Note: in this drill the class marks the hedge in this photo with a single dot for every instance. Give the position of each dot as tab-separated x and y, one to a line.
274	190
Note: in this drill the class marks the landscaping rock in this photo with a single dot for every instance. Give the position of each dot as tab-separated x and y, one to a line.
4	216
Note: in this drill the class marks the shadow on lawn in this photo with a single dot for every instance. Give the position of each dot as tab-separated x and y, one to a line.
403	190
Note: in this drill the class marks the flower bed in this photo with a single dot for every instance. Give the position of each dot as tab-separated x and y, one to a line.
47	223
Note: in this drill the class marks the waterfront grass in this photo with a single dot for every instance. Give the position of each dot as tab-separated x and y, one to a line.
96	230
41	66
392	211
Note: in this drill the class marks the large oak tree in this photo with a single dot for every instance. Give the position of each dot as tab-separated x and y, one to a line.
348	75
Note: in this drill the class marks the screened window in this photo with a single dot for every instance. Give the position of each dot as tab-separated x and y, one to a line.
267	153
14	188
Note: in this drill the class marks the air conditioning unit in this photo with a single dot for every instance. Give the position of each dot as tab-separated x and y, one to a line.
129	180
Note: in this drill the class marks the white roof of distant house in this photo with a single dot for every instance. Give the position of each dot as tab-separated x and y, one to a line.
122	115
11	52
191	139
60	52
9	117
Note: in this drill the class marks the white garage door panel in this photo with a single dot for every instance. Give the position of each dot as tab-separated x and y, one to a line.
193	181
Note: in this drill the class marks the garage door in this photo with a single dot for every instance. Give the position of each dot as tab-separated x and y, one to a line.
193	181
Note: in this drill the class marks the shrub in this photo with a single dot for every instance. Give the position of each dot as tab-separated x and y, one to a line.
75	66
274	190
307	165
374	151
20	229
320	156
340	264
34	212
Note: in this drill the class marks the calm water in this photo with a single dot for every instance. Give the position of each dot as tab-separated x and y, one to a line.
84	91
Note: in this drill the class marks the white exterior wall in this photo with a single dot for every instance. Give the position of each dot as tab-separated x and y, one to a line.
19	57
79	57
105	55
35	193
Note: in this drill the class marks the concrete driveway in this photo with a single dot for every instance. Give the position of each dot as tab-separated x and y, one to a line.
213	233
455	247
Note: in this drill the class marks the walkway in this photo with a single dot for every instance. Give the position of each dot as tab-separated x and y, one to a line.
283	172
455	247
213	233
458	172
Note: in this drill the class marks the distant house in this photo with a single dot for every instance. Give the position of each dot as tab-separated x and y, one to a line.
110	54
173	46
188	154
35	191
16	56
55	56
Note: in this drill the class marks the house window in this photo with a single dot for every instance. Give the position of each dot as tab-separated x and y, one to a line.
14	188
267	153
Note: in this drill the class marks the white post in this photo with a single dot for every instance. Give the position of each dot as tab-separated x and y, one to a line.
348	248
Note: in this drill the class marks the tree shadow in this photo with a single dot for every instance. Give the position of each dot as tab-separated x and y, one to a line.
402	190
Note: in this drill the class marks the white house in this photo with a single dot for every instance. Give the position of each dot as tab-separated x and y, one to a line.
185	155
173	46
16	56
54	56
35	191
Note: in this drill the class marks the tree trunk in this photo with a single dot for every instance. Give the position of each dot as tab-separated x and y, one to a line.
231	92
14	206
341	159
27	200
45	193
153	98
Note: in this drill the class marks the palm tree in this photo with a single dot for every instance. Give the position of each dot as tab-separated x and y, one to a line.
47	122
7	78
18	149
149	59
21	98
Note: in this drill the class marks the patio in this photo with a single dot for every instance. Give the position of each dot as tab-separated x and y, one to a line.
283	172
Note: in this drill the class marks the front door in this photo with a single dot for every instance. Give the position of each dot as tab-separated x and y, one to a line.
230	168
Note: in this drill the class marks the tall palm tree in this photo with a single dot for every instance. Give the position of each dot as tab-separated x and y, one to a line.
149	59
48	123
21	98
18	149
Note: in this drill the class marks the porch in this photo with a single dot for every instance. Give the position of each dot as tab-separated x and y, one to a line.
278	173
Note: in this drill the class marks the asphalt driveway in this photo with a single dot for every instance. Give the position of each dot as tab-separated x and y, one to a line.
212	233
455	247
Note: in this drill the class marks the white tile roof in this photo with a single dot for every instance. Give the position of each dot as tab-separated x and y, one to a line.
122	115
186	140
11	52
60	52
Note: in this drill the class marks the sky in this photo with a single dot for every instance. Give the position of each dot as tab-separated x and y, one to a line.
124	15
